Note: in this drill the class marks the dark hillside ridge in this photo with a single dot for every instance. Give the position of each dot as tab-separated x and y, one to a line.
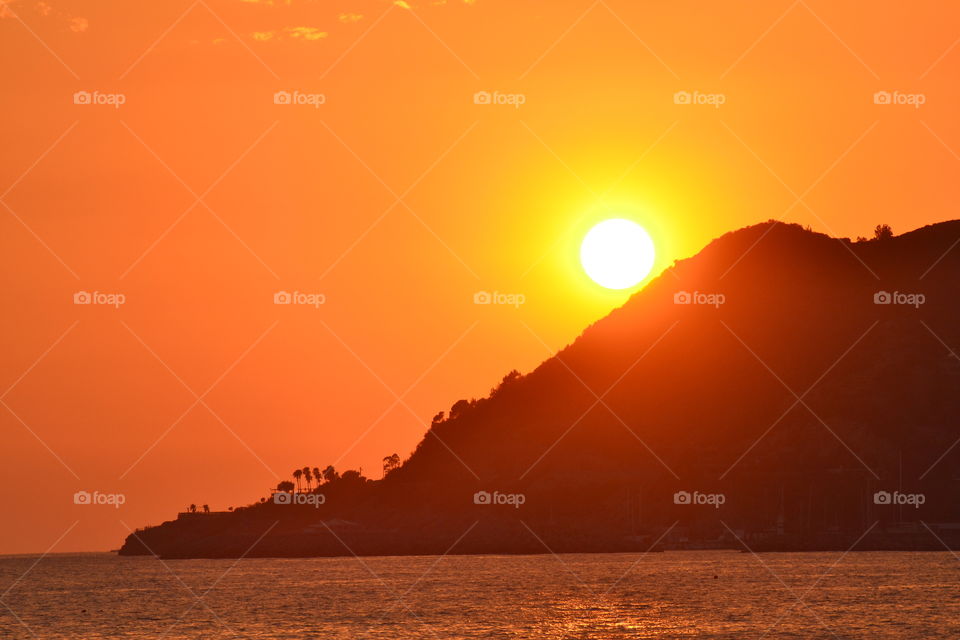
787	387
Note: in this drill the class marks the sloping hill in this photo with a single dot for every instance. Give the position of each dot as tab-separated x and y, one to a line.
765	370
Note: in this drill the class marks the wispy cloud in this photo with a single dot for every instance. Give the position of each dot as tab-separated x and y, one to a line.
313	34
309	34
18	8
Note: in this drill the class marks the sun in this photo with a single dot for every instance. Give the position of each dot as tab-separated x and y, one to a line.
617	253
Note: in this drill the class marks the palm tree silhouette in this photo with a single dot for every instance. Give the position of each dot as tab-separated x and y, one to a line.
330	474
317	476
307	476
297	473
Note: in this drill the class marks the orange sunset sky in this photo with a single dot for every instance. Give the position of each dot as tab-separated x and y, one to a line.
398	199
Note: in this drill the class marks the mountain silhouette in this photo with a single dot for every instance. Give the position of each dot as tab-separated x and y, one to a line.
782	389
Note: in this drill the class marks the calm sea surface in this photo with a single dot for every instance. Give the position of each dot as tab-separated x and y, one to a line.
709	594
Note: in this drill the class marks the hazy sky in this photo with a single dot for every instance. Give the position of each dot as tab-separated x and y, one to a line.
391	193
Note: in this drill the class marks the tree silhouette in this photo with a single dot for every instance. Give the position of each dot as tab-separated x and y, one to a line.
459	408
390	463
297	474
285	486
508	379
193	508
317	476
330	474
206	508
352	475
307	476
882	232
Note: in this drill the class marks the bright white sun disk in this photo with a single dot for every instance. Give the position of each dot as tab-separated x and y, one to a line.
617	253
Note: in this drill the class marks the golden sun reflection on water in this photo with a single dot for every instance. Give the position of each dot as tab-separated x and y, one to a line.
696	594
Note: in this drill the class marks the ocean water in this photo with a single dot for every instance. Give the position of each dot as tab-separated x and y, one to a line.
693	594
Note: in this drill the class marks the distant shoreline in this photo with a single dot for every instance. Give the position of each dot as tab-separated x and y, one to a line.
117	553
